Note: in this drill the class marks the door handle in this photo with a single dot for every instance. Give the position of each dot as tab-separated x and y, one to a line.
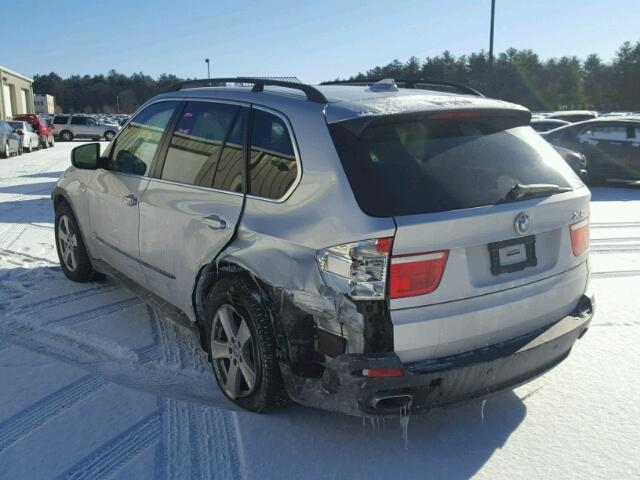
131	200
215	222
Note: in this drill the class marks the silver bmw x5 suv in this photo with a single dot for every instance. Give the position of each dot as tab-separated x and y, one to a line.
365	249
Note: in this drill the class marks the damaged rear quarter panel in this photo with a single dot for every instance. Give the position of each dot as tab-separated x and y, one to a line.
277	242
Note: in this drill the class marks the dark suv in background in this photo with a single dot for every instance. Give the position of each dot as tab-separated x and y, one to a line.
611	147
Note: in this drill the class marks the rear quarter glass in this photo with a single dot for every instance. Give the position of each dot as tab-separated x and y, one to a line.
400	166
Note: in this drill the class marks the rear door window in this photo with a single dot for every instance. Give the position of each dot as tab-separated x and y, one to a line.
428	165
78	120
603	132
196	145
272	165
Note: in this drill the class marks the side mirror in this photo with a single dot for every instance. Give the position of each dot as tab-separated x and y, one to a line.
86	156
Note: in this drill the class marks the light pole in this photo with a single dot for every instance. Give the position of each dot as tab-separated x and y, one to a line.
206	60
117	103
493	14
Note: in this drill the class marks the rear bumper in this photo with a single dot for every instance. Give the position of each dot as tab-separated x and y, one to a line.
443	381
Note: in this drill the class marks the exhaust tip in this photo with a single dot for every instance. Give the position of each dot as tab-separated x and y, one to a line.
390	402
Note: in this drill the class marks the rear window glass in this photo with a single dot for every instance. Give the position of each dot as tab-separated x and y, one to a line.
418	166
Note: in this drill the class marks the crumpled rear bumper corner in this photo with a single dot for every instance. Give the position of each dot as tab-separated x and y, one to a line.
438	382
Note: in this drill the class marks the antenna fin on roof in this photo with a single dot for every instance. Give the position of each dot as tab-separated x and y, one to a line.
384	85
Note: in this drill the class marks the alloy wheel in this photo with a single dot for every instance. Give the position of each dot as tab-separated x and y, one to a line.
68	241
234	352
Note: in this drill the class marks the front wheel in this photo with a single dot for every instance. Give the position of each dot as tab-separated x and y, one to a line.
72	253
241	346
66	136
4	153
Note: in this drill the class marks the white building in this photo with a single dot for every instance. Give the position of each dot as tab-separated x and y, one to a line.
16	93
44	103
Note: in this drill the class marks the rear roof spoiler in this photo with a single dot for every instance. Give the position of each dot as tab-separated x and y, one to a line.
511	117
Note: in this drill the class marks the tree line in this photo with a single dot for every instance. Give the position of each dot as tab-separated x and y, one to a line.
111	93
518	76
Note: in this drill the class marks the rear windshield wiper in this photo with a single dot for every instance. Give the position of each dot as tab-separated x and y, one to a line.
532	190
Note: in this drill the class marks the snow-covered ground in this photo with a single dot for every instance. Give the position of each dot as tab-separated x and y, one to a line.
95	384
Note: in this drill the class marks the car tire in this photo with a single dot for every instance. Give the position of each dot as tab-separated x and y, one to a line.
73	256
5	151
240	342
66	136
108	135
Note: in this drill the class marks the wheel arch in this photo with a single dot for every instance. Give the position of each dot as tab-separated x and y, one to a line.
58	197
213	272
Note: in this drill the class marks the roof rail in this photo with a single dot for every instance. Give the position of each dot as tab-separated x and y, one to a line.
312	93
420	84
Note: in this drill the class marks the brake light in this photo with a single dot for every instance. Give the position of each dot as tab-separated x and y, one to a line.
580	237
359	269
383	372
418	274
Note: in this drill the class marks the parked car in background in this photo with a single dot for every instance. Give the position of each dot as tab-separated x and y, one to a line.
397	253
10	142
30	138
576	160
611	146
45	130
546	124
573	115
69	127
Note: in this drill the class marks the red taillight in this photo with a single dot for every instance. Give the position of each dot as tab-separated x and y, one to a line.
418	274
382	372
580	237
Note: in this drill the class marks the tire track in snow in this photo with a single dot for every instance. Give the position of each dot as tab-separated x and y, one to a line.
96	312
65	298
118	452
5	251
197	441
78	317
43	411
616	273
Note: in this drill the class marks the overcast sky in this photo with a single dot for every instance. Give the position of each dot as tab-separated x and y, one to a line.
314	41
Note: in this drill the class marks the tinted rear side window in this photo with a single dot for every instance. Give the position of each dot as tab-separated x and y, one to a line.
60	120
272	165
196	143
418	166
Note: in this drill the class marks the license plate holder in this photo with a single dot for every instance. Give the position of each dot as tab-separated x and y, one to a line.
513	255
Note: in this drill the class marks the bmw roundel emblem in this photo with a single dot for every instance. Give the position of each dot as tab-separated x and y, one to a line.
522	223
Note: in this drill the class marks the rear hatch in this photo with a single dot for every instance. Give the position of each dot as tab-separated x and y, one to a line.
481	202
